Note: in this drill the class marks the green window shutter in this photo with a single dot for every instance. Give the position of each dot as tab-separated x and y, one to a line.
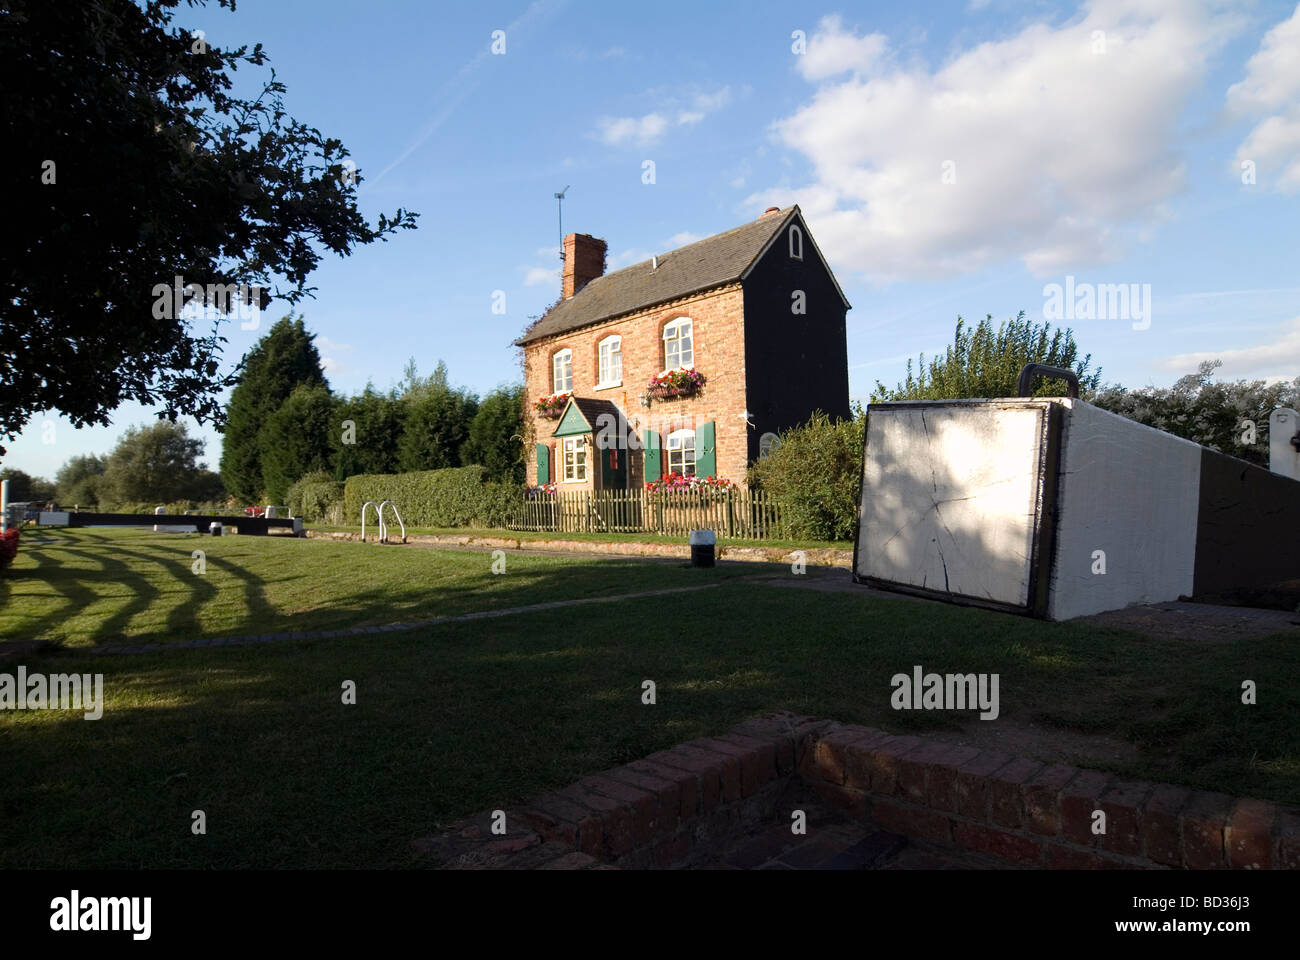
543	463
654	465
706	454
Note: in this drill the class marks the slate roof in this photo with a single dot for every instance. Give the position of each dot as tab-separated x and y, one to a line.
720	259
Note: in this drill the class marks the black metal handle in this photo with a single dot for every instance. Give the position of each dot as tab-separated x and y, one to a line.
1032	370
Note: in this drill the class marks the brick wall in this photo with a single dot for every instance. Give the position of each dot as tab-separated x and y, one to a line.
719	340
1040	814
676	807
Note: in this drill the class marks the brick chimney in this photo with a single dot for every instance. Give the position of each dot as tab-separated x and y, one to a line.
584	261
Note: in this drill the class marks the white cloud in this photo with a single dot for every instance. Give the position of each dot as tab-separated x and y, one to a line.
832	50
325	343
1272	86
682	239
1058	153
1280	358
712	102
646	130
535	276
617	131
627	258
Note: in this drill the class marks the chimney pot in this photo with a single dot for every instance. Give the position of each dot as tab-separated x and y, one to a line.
768	212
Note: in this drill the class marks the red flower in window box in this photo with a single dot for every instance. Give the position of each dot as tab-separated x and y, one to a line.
551	407
679	483
675	383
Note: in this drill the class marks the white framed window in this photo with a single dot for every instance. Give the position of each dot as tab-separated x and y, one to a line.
679	344
610	361
562	372
681	452
796	242
575	460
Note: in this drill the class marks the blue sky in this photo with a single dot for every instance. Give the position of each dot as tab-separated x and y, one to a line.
951	158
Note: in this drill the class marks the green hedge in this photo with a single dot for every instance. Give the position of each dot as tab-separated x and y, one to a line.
316	497
454	497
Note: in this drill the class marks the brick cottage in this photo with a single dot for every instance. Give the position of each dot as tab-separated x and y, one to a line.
690	362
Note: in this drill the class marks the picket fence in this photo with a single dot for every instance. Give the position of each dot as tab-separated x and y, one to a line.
739	513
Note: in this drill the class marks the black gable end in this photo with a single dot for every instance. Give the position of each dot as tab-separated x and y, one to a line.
795	362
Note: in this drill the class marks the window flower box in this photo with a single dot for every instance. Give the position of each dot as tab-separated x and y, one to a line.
675	383
678	483
550	408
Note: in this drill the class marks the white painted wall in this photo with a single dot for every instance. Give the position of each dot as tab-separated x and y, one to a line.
1133	492
949	496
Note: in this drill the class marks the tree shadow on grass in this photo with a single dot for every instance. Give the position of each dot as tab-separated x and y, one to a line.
47	570
115	571
399	597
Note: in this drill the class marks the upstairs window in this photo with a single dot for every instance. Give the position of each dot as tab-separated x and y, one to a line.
610	353
679	345
681	452
796	242
562	369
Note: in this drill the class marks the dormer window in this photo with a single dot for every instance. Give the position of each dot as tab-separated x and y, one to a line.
679	344
610	361
562	372
795	236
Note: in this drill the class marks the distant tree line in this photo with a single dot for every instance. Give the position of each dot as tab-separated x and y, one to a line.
152	464
284	423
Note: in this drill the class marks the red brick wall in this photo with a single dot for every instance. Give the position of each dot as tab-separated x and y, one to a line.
719	354
584	261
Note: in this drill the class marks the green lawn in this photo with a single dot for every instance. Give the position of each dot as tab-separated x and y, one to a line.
99	587
462	717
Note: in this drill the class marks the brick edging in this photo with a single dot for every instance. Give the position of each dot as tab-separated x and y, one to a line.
658	811
1040	814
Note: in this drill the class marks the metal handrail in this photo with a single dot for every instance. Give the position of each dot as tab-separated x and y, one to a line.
1025	387
378	513
383	527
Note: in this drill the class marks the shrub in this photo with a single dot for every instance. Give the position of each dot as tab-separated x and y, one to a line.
8	547
815	473
1213	413
316	497
452	497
